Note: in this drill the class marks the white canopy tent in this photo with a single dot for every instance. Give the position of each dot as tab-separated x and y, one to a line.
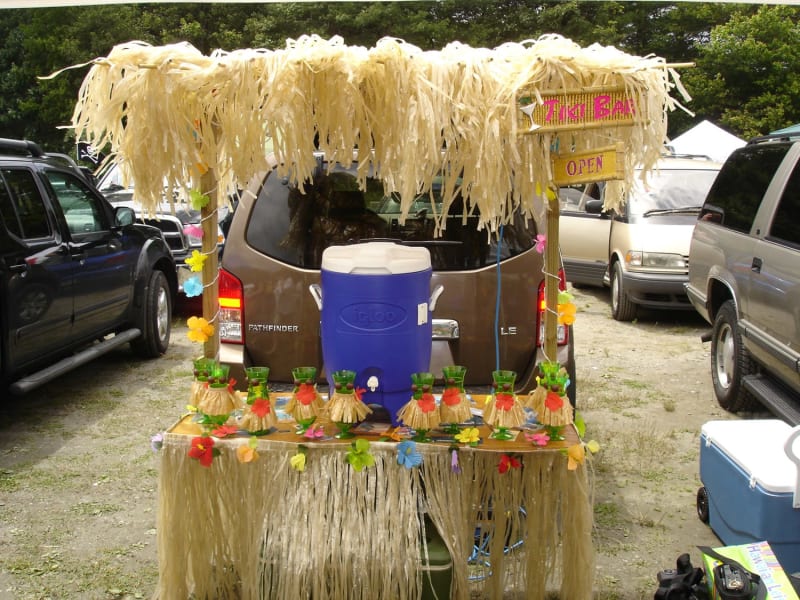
708	139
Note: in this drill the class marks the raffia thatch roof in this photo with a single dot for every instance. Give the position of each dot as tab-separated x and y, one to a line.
168	113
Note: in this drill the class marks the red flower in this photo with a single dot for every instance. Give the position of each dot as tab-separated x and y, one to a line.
553	402
231	385
260	407
224	431
504	401
203	450
451	396
306	394
427	403
508	462
359	392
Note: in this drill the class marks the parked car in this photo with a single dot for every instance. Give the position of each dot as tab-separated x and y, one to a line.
744	277
78	277
641	251
274	251
177	220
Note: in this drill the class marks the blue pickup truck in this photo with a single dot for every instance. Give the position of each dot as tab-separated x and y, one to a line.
78	277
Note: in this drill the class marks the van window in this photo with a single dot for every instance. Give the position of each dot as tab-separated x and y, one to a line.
295	226
734	198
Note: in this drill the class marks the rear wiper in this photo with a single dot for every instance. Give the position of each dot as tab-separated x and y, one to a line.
672	211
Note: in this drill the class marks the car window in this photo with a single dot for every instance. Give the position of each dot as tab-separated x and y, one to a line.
670	189
22	205
734	198
81	207
296	226
785	226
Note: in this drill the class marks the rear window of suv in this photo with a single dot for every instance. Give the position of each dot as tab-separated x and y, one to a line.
734	198
295	226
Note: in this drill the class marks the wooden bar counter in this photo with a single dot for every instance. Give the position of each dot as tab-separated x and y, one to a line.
263	529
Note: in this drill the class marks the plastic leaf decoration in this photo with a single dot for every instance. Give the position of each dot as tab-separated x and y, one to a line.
407	455
199	329
575	456
359	456
202	450
196	261
508	462
469	435
298	461
193	287
541	243
198	199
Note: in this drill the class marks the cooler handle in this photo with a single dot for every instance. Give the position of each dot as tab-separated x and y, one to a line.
788	447
437	291
316	293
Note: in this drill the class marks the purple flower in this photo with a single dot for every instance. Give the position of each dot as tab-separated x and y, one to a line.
157	441
454	466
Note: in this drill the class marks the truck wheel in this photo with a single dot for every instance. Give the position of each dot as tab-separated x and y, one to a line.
156	318
730	362
622	309
702	504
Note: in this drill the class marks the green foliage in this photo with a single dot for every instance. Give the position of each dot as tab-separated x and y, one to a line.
745	77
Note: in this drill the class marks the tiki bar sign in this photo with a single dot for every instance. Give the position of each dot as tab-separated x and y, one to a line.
584	108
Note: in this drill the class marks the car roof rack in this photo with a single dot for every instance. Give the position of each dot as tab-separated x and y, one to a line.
775	137
21	147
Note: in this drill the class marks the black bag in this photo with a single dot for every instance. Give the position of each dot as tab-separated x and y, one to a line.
732	581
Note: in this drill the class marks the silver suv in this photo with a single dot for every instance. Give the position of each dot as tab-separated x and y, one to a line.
744	277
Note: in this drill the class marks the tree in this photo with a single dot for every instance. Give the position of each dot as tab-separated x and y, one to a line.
747	78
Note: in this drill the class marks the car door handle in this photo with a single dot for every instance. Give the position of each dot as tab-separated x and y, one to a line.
756	266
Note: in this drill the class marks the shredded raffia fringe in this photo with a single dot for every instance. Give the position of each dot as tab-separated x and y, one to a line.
170	113
264	530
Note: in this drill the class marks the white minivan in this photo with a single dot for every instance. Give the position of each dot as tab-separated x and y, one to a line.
640	251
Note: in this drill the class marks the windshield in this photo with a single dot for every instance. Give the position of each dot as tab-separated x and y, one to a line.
667	190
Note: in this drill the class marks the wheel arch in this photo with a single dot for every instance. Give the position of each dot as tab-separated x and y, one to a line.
719	292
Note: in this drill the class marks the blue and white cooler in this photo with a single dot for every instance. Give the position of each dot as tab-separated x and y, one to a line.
749	470
376	303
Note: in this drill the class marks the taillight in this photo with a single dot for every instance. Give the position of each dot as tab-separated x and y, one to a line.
231	309
563	330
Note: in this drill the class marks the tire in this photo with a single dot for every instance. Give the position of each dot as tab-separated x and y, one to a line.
730	362
155	320
702	504
622	309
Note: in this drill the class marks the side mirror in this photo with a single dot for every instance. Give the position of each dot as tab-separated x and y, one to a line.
594	206
124	216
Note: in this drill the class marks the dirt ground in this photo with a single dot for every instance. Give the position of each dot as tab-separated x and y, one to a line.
78	479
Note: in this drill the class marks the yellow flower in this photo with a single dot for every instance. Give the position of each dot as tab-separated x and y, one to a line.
470	435
246	453
199	329
575	456
593	446
196	261
566	313
298	462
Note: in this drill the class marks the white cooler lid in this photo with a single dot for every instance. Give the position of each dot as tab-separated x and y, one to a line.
757	447
375	258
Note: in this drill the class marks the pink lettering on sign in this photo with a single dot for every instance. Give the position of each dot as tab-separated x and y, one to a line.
600	107
585	166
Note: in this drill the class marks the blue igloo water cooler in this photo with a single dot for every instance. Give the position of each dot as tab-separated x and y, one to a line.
376	303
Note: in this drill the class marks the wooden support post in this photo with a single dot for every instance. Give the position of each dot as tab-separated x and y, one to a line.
552	262
208	185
